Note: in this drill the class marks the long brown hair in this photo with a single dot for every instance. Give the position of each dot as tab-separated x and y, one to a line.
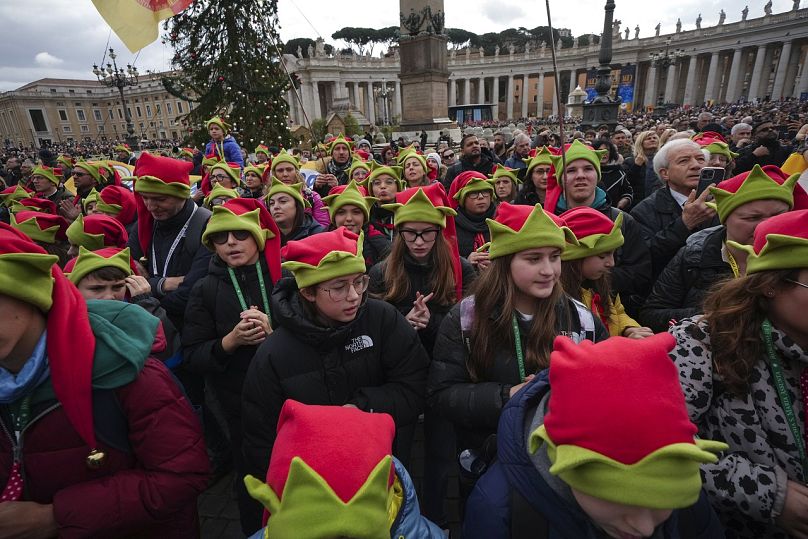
734	311
441	282
572	280
494	292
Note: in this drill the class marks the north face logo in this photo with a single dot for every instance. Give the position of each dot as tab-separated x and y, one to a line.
359	343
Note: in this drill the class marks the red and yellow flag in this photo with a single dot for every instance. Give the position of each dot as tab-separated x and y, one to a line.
137	22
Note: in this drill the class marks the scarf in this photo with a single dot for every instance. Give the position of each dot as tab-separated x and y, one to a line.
33	373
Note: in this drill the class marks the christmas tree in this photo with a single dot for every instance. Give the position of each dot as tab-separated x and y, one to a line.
226	63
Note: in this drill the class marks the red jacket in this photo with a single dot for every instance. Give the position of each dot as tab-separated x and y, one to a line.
147	490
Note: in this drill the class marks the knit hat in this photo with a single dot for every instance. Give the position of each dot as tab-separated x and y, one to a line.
12	194
781	242
757	184
70	339
261	148
517	228
543	156
629	441
217	120
377	170
33	204
284	157
434	156
343	195
467	182
356	164
91	168
41	227
324	256
320	482
233	170
579	150
219	192
295	191
118	202
250	215
595	232
97	231
408	152
504	172
714	143
47	173
340	139
89	261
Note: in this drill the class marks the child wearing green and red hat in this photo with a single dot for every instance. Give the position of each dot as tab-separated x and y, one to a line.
90	415
96	232
262	154
46	230
287	206
349	206
598	446
506	184
333	346
222	145
472	196
285	167
539	170
254	183
383	183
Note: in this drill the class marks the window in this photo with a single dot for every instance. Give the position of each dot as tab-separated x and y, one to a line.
139	111
179	107
63	115
169	110
38	119
97	115
53	90
157	109
71	91
95	104
129	110
60	104
67	129
85	129
148	111
111	117
120	113
174	134
80	115
77	104
100	128
89	91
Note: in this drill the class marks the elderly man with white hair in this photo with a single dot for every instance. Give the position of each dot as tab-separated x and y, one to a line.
741	134
671	214
521	149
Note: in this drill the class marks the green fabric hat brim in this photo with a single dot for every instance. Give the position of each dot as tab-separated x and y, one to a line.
226	169
224	220
780	252
376	171
30	227
218	192
92	197
293	190
90	169
504	173
19	193
88	262
108	209
255	170
542	157
419	209
284	157
155	186
48	174
337	141
210	161
218	121
120	148
719	148
668	478
334	264
475	185
308	507
350	196
402	159
77	236
357	164
578	150
596	244
27	277
539	230
757	186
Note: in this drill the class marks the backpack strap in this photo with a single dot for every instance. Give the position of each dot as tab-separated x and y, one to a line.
526	522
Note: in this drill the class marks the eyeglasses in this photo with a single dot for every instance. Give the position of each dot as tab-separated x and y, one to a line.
220	238
792	281
219	177
448	155
340	292
479	194
411	236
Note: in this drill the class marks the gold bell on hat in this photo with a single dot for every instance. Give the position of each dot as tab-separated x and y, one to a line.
95	459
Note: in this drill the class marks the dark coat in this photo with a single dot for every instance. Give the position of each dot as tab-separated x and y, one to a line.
376	246
614	180
489	508
472	232
680	290
307	228
375	362
747	160
485	166
642	183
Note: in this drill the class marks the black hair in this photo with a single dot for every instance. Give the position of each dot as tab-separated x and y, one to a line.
108	273
609	145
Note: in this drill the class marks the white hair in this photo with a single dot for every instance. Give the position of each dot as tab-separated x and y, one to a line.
662	157
739	127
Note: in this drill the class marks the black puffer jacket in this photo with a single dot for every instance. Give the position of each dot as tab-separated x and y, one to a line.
474	408
419	282
472	231
680	289
375	362
644	180
485	166
661	218
307	228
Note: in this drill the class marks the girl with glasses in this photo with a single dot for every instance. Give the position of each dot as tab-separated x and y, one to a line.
349	206
229	313
743	366
332	346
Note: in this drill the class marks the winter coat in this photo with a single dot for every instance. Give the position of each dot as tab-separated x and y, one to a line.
472	231
228	150
747	486
155	465
661	217
317	209
680	289
614	180
376	247
374	362
747	160
485	166
643	179
419	282
190	258
307	228
489	509
474	407
618	321
59	195
382	220
151	305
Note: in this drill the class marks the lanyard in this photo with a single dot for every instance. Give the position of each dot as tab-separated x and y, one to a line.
173	246
517	338
782	394
260	283
733	264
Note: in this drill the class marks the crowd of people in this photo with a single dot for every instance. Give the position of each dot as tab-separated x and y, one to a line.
600	332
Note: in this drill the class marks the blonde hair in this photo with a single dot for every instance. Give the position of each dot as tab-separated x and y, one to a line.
638	149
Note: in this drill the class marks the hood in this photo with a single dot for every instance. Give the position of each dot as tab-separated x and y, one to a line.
289	313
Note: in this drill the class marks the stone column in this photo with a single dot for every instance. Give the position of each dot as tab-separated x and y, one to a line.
782	67
757	72
452	92
308	102
481	90
573	80
525	93
734	76
370	103
339	89
650	86
690	84
670	84
803	84
397	109
712	77
540	97
315	100
509	98
554	94
466	91
495	98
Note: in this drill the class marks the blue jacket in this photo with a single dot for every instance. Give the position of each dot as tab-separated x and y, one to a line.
232	151
488	511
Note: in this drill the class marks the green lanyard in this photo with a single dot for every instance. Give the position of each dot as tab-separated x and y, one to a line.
260	283
517	338
782	394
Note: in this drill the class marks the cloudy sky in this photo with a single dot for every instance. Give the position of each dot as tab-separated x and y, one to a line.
57	38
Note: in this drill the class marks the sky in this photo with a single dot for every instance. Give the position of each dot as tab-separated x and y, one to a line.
59	39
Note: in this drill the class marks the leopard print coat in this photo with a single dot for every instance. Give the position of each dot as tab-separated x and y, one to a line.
747	486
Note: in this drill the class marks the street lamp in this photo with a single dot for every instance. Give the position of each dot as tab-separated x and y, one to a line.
603	109
663	60
385	94
117	77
